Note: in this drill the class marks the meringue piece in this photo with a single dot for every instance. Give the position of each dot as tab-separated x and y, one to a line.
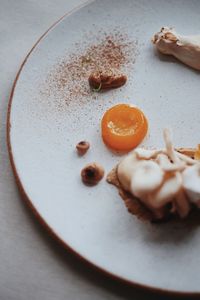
167	166
169	147
184	48
167	191
146	177
191	183
188	160
142	153
125	170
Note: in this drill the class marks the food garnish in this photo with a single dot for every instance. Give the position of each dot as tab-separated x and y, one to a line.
184	48
82	147
104	80
165	181
123	127
92	173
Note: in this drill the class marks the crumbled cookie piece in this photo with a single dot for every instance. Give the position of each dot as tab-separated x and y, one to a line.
82	147
92	173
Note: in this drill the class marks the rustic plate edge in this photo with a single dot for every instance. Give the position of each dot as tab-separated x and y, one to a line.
28	201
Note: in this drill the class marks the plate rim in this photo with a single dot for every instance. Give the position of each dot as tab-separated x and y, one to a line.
38	217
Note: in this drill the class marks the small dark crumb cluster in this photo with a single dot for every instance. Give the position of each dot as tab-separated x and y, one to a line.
82	147
92	173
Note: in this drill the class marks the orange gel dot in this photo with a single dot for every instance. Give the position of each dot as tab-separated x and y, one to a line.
123	127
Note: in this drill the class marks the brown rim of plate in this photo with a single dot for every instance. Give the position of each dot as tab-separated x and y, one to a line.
147	288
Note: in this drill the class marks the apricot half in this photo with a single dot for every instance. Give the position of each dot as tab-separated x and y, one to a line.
123	127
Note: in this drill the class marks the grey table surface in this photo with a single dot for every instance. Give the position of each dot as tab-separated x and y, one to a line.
32	264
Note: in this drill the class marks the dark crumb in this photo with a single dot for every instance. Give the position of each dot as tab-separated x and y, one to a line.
82	147
92	174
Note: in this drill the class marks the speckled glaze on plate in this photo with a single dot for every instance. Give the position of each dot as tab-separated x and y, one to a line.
93	222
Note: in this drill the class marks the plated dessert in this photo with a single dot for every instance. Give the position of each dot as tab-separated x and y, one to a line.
158	184
154	184
54	131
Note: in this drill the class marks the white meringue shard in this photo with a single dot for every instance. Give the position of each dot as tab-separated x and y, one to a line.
167	166
125	170
169	147
186	159
146	177
142	153
167	192
184	48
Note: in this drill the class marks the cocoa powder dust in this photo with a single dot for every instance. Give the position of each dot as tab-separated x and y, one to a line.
67	81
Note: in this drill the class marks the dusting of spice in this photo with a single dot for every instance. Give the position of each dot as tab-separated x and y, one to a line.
68	79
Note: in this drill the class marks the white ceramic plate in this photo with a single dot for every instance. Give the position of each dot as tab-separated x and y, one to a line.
42	138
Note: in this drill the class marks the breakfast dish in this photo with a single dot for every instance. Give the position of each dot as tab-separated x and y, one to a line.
184	48
158	184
